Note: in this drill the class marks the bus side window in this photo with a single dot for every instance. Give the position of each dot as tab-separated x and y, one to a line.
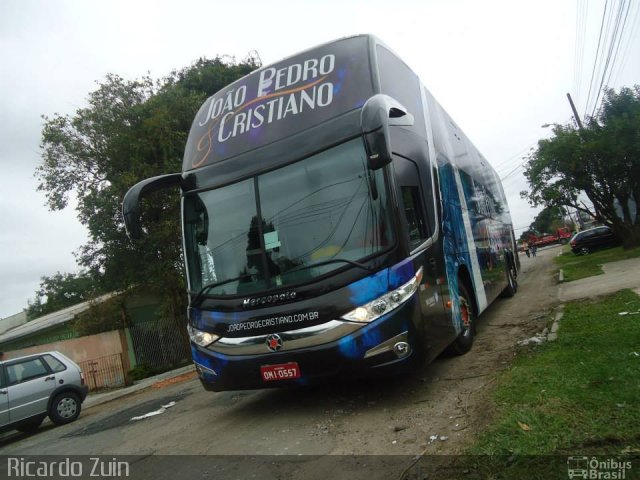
407	179
414	215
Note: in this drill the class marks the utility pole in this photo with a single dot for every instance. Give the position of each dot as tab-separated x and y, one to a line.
575	112
581	128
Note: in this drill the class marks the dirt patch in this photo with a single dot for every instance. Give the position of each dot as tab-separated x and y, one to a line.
441	409
170	381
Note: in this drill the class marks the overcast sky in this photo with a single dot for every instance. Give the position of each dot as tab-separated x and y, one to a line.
500	68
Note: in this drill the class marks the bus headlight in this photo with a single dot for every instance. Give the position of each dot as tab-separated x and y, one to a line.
376	308
203	339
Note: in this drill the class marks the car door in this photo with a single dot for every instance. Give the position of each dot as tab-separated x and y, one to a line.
587	239
605	237
4	398
29	385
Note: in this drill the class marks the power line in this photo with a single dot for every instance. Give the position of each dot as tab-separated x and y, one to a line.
513	171
593	71
630	40
617	37
614	44
508	162
605	48
581	26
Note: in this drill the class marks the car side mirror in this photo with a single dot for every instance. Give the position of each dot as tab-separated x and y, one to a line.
131	201
378	114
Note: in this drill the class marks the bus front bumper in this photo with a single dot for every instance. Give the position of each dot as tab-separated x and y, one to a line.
386	346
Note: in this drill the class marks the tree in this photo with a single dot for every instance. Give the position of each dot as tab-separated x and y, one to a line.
104	316
602	161
60	291
548	220
526	235
129	131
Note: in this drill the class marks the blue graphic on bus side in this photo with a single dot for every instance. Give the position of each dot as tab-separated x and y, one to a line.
401	273
455	245
369	288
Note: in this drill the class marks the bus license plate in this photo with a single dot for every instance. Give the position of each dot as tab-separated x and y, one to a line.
283	371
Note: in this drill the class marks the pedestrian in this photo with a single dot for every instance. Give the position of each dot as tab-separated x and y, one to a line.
526	249
533	250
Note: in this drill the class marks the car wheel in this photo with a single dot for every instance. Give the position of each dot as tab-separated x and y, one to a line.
462	344
65	408
30	426
585	251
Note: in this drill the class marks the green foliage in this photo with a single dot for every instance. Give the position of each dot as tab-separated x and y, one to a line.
576	267
602	161
142	371
524	236
102	316
129	131
548	220
574	396
60	291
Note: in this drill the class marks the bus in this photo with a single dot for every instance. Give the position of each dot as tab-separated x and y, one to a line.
336	223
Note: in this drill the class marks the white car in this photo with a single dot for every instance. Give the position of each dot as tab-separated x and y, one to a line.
37	386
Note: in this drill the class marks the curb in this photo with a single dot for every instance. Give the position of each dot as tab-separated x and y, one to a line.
553	334
100	398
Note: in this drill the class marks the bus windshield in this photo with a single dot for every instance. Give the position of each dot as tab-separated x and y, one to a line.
287	226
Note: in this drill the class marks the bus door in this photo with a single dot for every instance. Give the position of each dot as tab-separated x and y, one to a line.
420	227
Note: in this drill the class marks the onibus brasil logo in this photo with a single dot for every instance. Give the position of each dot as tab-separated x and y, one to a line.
597	468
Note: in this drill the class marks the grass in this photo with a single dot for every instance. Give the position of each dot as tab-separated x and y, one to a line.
575	396
576	267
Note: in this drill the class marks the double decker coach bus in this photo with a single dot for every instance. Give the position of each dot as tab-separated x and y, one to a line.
336	223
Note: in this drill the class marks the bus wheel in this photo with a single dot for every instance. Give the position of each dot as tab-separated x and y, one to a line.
462	344
512	284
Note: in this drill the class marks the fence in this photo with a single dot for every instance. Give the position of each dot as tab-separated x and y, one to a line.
103	372
159	343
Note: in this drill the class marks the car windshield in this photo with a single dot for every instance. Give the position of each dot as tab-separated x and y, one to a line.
261	232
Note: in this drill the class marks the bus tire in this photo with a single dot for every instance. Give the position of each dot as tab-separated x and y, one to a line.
463	342
512	284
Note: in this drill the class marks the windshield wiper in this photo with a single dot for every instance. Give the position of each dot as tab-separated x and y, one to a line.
332	260
200	295
196	300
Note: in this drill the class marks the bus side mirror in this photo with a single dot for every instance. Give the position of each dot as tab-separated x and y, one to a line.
378	113
131	201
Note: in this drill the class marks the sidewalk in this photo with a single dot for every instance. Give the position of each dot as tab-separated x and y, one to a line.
99	398
617	276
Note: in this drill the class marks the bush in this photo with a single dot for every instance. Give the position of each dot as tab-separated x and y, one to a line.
142	371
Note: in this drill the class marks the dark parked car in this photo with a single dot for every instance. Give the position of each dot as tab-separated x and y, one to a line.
592	239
